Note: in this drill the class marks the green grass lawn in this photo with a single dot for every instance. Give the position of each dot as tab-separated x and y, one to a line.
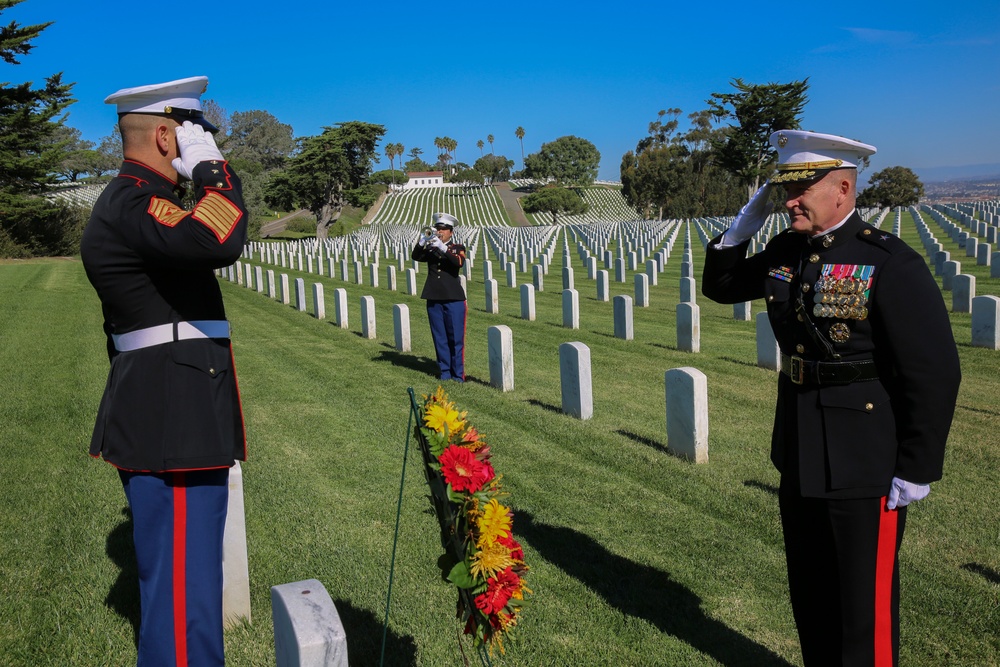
637	557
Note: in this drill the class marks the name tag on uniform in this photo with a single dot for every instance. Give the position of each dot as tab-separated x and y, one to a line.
784	273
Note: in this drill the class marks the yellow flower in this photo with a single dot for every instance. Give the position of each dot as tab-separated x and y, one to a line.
494	523
491	559
438	418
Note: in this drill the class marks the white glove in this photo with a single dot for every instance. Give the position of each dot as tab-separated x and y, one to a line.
196	145
422	241
750	218
902	493
438	244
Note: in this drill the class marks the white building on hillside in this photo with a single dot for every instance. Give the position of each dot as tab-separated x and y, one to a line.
425	179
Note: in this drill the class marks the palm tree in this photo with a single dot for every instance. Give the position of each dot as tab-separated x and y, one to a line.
519	133
390	152
479	145
489	138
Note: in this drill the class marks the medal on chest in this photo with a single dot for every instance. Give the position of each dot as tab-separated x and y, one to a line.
842	292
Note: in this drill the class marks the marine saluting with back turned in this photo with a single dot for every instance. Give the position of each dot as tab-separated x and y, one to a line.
170	420
869	379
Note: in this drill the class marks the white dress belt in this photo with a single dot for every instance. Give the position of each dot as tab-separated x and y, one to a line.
164	333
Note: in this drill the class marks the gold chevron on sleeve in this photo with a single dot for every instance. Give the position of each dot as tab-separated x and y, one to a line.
218	214
165	211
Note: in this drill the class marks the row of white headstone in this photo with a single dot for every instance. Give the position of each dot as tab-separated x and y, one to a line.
985	309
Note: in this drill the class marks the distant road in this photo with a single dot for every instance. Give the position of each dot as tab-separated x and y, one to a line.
510	203
279	225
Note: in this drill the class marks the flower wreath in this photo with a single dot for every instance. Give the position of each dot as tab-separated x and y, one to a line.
487	563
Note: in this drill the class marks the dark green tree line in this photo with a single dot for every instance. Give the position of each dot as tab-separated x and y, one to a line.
31	155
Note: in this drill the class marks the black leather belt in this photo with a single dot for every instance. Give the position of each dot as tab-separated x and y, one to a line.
803	371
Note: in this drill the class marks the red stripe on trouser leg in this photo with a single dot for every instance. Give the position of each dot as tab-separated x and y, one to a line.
884	571
180	567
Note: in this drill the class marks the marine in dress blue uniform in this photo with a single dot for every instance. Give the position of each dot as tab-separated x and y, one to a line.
869	379
170	419
447	307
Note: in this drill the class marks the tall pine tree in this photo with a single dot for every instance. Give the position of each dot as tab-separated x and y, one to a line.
29	157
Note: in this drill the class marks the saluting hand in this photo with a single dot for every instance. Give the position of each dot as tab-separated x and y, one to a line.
195	145
751	217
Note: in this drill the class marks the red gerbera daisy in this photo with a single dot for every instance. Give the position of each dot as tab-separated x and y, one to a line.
498	591
462	470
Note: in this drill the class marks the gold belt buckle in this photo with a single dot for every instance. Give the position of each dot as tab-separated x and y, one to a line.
797	370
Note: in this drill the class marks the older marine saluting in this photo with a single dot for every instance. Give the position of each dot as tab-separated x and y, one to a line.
869	379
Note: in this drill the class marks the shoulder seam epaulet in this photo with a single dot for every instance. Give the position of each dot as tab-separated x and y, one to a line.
879	238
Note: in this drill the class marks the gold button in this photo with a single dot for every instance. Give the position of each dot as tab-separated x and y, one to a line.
866	233
813	258
211	371
219	184
869	407
801	319
805	287
770	298
800	348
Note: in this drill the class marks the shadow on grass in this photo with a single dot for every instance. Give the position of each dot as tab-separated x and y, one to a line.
545	406
404	360
123	598
643	592
766	488
981	411
673	348
364	638
643	440
986	573
741	362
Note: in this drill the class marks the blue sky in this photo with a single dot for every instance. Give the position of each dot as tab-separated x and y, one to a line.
920	81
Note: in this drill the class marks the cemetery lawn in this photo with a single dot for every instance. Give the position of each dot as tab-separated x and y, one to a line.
637	557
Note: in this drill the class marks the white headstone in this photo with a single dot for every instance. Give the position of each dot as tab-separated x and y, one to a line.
603	288
307	628
401	326
571	308
270	285
284	289
986	322
688	327
319	303
741	311
768	352
963	291
688	289
567	275
411	282
390	277
575	380
687	413
368	317
511	274
235	572
259	279
538	277
300	294
949	270
528	302
624	327
340	307
641	290
501	355
492	296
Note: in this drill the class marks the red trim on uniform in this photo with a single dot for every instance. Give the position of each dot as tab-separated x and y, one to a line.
885	562
239	399
146	166
180	567
464	321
